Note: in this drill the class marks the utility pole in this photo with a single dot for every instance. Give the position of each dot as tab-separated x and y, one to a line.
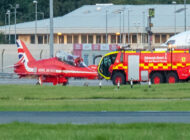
51	28
8	13
143	31
151	15
120	28
149	33
16	7
106	26
129	42
124	35
185	15
174	3
6	27
36	18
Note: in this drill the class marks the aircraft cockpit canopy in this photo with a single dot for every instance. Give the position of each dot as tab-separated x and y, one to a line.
65	57
70	59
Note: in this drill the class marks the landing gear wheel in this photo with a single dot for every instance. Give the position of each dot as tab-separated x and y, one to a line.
38	83
118	78
157	78
65	83
172	78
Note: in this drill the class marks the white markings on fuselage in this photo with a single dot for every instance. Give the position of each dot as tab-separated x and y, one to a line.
64	71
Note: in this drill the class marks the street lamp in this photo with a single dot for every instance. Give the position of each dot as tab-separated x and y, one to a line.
137	26
51	28
36	6
124	35
180	10
174	3
8	13
120	12
143	29
106	26
5	26
120	27
129	42
16	7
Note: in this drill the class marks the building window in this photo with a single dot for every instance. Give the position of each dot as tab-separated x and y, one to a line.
55	39
46	41
163	38
76	39
84	39
40	39
172	35
144	38
113	39
98	39
118	39
104	39
90	39
32	39
69	39
127	39
134	38
61	39
157	38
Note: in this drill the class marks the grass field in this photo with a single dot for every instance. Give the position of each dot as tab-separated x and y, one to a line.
141	131
163	97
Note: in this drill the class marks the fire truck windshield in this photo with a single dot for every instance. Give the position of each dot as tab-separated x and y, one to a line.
106	62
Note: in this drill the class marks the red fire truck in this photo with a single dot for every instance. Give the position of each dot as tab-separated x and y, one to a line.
158	66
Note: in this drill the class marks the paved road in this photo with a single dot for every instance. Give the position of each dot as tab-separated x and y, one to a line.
94	117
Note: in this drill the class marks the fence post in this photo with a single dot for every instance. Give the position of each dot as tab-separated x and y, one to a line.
41	54
2	57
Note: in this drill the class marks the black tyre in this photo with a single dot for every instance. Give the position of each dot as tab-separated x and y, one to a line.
38	83
157	78
118	78
172	78
65	83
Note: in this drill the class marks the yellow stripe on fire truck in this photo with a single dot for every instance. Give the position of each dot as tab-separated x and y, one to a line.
161	65
151	65
120	66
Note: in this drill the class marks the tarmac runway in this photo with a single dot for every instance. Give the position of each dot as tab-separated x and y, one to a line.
95	117
87	117
72	82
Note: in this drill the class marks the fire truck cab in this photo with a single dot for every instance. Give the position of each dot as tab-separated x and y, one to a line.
168	66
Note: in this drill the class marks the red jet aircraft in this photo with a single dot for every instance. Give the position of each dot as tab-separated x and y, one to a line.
55	70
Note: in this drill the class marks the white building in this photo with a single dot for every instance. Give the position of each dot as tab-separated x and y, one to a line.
88	25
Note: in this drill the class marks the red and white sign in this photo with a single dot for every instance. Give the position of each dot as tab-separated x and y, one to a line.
104	47
87	46
113	47
77	46
95	47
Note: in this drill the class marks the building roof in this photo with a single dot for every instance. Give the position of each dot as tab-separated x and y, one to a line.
92	19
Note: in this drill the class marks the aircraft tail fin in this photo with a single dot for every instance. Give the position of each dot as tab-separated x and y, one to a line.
24	54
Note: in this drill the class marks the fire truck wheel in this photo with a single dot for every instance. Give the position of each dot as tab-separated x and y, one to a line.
118	78
171	78
157	78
